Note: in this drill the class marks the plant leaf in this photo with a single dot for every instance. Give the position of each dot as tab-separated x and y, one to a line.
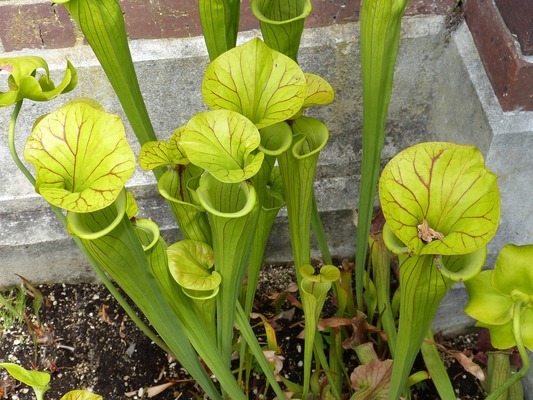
81	157
154	154
36	379
102	24
190	262
81	395
222	142
381	23
24	83
513	270
319	91
263	85
220	24
438	198
372	381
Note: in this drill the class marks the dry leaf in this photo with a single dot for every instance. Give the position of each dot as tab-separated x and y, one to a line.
103	313
333	323
272	357
469	365
428	234
151	391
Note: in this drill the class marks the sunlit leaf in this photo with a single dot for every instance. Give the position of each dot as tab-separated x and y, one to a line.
29	79
263	85
154	154
132	208
81	157
36	379
493	295
439	198
319	91
514	270
223	142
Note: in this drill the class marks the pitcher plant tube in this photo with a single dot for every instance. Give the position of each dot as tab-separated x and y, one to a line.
441	206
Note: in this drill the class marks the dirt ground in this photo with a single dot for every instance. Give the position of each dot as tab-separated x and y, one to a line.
87	342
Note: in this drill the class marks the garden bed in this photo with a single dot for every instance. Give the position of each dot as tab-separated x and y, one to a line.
88	342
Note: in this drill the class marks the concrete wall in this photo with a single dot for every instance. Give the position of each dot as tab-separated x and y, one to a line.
170	72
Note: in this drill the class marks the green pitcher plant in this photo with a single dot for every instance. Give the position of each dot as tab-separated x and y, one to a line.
314	289
381	22
501	300
93	194
282	23
441	206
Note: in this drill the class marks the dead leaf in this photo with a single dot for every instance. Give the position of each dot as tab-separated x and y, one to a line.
273	357
122	328
333	323
428	234
151	391
469	365
105	317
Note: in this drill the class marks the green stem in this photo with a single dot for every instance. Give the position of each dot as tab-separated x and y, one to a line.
331	375
521	350
436	369
11	143
318	230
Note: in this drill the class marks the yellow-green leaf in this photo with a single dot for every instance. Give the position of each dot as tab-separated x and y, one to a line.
262	84
81	157
439	198
190	263
81	395
223	142
319	91
29	79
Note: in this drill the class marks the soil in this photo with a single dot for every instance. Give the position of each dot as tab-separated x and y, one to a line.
87	342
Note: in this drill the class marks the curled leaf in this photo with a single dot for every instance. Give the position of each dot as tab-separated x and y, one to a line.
493	295
190	263
469	365
282	23
223	143
81	157
29	78
319	91
155	154
81	395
